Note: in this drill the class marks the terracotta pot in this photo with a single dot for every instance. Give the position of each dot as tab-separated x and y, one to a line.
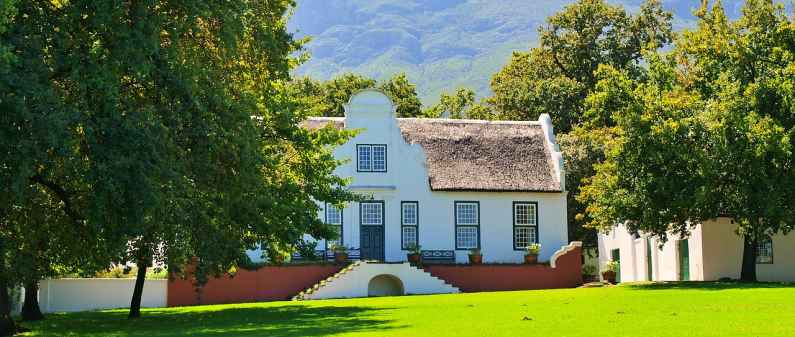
609	276
475	259
340	258
531	258
414	258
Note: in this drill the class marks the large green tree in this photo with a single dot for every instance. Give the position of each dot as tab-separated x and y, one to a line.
558	75
160	130
327	98
708	133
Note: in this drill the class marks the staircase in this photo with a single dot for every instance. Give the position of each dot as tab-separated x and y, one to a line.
356	280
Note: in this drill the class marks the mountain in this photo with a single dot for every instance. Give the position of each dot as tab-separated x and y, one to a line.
440	44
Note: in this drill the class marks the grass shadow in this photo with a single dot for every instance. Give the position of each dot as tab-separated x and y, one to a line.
706	285
292	320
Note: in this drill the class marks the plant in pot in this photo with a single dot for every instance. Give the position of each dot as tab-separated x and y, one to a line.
475	257
414	254
531	253
609	271
340	253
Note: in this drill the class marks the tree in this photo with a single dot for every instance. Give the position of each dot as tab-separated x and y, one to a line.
404	94
161	132
558	75
708	133
459	105
561	73
328	98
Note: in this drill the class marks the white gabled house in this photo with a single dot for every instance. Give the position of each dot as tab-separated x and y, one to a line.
447	185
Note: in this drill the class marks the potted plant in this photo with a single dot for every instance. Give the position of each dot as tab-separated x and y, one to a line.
414	254
475	257
609	271
531	255
340	253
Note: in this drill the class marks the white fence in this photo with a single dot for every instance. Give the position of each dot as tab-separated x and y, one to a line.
64	295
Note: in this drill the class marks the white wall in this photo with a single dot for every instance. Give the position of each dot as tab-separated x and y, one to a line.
715	252
65	295
406	179
665	260
723	251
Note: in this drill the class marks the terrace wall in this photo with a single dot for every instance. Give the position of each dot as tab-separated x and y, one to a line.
269	283
566	273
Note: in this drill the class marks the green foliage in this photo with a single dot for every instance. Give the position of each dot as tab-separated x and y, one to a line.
154	131
533	249
708	132
459	105
558	75
328	98
414	248
306	249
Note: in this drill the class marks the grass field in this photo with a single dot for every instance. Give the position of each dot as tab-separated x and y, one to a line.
697	309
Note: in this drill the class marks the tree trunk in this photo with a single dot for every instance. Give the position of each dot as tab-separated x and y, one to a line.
135	305
748	273
30	309
7	326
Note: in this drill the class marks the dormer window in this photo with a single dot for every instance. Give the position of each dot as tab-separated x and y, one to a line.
371	158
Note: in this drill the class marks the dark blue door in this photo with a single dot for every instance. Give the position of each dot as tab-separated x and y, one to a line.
372	242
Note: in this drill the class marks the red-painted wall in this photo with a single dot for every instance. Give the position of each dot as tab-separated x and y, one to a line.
495	277
270	283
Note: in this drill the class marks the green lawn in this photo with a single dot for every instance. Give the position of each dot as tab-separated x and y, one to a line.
695	309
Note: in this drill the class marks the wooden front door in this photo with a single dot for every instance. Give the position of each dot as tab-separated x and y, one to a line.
684	260
371	230
372	242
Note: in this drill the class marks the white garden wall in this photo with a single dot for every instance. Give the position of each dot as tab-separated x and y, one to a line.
66	295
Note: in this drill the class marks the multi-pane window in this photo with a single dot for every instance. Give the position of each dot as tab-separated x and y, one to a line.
334	219
525	224
371	213
409	221
764	251
467	225
371	158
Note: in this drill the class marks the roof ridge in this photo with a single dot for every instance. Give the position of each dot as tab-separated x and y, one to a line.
441	120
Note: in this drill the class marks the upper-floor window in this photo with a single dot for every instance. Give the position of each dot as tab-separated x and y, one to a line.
371	158
467	224
764	251
525	224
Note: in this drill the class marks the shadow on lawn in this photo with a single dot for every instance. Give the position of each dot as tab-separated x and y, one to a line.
293	320
701	285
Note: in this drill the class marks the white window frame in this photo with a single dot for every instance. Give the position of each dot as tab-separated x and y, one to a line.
365	158
329	222
531	223
761	247
461	227
362	219
405	225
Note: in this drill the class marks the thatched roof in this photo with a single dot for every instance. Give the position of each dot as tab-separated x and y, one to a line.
470	155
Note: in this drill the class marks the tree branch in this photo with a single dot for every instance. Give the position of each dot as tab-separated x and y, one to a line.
59	192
